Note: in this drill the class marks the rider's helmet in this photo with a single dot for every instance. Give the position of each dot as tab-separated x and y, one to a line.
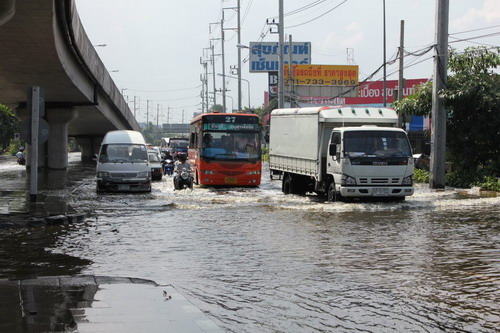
21	148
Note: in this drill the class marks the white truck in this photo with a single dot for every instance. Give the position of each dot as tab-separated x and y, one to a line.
341	152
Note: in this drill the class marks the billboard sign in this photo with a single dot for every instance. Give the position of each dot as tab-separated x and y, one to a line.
323	75
273	84
264	56
369	93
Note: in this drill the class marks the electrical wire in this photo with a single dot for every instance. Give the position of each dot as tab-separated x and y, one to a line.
317	17
163	91
473	30
476	37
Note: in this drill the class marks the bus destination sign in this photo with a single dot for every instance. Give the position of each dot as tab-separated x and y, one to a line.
230	123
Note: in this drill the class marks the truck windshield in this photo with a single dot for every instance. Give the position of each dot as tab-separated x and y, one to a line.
376	144
123	153
231	145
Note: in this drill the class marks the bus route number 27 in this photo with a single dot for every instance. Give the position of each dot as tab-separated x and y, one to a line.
230	119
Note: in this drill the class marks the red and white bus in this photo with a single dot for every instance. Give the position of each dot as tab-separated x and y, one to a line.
224	149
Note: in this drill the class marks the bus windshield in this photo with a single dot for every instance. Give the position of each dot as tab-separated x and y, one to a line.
222	145
376	144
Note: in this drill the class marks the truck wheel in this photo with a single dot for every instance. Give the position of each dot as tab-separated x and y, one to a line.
332	195
287	185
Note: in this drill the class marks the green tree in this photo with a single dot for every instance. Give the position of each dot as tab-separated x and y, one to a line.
472	101
217	108
9	125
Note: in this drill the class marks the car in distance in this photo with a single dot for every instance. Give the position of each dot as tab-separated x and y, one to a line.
155	163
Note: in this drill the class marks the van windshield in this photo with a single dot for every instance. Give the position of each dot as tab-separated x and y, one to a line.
123	153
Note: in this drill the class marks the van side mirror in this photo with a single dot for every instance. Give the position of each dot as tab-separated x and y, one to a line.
95	157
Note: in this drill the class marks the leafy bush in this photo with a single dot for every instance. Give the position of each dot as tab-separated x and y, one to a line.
491	184
462	179
421	176
265	154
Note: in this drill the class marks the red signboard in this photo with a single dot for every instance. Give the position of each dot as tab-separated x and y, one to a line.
369	92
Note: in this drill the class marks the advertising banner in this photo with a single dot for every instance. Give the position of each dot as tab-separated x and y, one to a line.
264	56
370	92
323	75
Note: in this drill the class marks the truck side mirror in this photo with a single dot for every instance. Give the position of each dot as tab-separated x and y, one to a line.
333	149
266	138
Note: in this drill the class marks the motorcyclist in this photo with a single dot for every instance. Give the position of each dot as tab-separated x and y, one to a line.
180	164
165	160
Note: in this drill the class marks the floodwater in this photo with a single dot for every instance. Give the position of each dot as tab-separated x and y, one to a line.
256	260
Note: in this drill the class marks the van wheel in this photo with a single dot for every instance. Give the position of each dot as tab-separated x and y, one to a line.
332	194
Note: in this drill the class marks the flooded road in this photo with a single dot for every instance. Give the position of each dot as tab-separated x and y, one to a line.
255	260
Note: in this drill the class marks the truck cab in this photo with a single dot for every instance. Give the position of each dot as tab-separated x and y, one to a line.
369	161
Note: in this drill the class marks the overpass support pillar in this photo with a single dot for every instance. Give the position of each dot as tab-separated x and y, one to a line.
58	120
90	147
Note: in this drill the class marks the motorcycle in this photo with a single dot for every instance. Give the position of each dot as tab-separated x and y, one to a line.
183	180
21	161
168	167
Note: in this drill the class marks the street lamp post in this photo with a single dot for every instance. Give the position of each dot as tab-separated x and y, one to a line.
248	82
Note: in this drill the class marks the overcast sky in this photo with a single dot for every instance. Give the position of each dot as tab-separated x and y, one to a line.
153	47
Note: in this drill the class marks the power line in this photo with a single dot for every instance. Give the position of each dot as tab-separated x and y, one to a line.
479	29
317	17
476	37
162	91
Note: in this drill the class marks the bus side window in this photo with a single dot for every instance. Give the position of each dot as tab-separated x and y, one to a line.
192	140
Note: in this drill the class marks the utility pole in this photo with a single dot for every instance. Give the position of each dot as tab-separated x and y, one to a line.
384	93
438	130
213	73
290	72
135	107
401	118
239	57
223	66
168	114
147	112
281	83
157	115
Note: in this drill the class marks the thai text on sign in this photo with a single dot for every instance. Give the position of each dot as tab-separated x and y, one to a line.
324	75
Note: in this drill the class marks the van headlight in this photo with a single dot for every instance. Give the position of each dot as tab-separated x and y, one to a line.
103	174
348	180
144	174
408	180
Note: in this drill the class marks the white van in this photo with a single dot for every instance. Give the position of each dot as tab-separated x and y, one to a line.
122	163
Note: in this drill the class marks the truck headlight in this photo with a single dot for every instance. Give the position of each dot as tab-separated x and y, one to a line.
144	174
348	180
408	180
103	174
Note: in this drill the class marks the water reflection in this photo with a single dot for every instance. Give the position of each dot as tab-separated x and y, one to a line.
260	261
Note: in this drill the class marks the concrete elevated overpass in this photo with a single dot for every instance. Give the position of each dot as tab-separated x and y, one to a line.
43	43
